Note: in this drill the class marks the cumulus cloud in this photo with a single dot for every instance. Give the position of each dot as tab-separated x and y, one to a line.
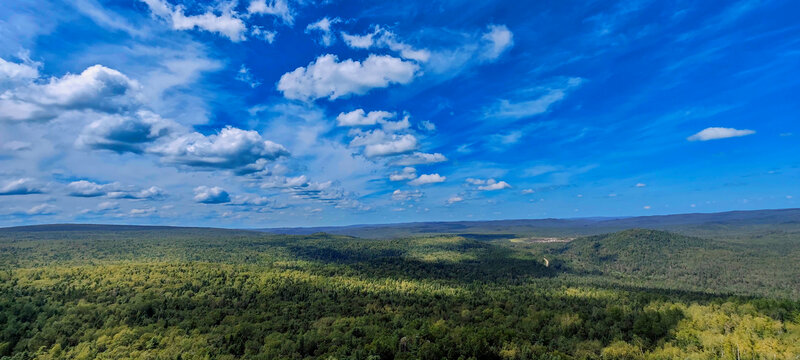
528	191
323	26
284	182
250	200
488	184
231	149
279	8
327	77
408	173
714	133
492	185
420	158
403	196
326	192
211	195
227	23
151	193
126	133
359	117
42	209
97	88
383	38
84	188
15	73
454	199
397	144
426	179
23	186
379	143
393	126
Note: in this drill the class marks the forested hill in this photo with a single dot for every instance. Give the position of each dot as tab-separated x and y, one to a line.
678	261
732	223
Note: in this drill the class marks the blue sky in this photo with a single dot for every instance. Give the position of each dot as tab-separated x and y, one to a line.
257	113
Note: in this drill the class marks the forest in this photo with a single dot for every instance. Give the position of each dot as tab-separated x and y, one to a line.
83	292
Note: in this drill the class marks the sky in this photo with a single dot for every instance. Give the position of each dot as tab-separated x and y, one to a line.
272	113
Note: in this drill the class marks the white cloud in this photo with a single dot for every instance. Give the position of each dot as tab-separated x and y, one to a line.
420	158
640	185
250	200
244	75
382	38
426	179
327	77
492	185
15	73
646	207
498	39
400	195
359	118
84	188
505	109
126	133
427	125
231	148
97	88
42	209
143	211
211	195
151	193
227	23
107	205
23	186
528	191
279	8
454	199
393	126
488	184
396	144
323	26
472	49
408	173
474	181
714	133
379	143
285	182
260	33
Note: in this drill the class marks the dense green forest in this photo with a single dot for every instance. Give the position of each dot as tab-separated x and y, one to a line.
181	293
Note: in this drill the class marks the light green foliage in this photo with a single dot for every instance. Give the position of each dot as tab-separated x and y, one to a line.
213	294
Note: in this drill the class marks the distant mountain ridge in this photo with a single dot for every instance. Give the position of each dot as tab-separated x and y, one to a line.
560	227
695	224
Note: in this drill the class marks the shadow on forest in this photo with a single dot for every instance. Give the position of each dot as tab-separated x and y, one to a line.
482	262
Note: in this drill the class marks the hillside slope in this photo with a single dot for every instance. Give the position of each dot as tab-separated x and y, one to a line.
678	261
